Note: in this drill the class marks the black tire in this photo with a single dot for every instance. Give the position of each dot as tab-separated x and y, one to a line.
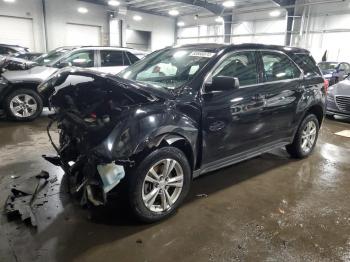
20	92
136	179
295	149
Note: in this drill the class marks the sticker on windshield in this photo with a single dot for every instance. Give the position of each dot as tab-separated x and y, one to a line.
202	54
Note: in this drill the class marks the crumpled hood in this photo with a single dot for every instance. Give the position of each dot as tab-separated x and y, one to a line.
342	88
36	74
65	79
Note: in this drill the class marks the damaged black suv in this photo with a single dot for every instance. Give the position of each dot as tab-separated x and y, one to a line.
179	113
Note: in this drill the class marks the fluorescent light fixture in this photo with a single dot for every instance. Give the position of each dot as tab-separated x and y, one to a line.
228	4
113	3
180	23
173	12
137	18
9	1
83	10
275	13
219	19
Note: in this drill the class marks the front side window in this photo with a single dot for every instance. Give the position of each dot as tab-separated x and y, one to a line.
168	69
241	65
111	58
278	67
81	59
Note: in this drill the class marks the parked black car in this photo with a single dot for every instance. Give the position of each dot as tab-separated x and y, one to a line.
179	113
334	72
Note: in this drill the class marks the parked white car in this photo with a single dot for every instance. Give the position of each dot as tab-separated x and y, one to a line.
18	90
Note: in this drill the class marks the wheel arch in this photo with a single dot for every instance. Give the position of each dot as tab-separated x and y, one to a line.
171	139
318	111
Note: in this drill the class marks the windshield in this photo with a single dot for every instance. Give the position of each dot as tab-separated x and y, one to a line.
168	69
327	66
51	56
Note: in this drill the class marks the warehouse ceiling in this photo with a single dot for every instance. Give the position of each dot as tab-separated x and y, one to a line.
184	7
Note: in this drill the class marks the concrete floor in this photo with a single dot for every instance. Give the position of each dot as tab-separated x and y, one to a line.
270	208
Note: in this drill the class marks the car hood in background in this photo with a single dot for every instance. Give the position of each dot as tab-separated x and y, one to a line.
35	74
342	88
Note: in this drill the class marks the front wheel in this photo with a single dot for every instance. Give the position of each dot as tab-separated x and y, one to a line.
23	105
159	184
305	139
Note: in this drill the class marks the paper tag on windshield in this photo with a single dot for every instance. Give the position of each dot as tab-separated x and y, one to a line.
202	54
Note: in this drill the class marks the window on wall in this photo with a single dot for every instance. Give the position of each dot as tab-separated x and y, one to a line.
278	67
241	65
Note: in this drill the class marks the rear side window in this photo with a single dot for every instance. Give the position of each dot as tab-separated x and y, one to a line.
278	67
307	63
132	58
111	58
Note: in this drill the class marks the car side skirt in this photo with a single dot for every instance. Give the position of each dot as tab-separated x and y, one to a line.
227	161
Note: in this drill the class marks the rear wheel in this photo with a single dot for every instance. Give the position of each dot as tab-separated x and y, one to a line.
159	184
23	105
305	139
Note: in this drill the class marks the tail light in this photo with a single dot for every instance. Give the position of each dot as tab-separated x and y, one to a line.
326	85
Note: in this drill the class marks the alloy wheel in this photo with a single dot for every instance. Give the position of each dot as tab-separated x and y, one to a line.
23	105
162	185
308	136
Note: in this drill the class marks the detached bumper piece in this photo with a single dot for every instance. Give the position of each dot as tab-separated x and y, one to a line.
20	201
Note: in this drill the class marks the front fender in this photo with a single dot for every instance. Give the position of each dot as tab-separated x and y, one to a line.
147	128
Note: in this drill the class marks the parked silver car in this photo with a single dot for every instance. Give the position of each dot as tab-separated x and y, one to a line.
338	99
18	89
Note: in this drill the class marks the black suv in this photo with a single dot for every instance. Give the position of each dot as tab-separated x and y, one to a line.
179	113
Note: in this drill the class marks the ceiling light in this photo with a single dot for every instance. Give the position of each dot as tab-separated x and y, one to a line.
228	4
180	23
275	13
9	1
173	12
113	3
219	19
137	18
83	10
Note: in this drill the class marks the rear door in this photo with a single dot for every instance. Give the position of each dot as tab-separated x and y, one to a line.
112	61
282	82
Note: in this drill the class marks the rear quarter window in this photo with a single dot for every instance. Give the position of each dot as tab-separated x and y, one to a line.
307	64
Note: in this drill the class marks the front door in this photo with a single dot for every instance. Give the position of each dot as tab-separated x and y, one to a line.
232	120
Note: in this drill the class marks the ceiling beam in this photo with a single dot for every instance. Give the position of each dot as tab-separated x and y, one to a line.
214	8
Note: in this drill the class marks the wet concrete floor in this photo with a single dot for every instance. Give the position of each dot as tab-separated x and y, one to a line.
270	208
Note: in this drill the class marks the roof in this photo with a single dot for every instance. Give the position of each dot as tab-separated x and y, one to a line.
217	47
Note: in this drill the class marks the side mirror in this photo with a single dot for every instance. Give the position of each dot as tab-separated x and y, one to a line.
222	83
64	64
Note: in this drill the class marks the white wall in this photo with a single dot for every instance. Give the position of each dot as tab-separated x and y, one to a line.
27	9
162	28
328	28
61	12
